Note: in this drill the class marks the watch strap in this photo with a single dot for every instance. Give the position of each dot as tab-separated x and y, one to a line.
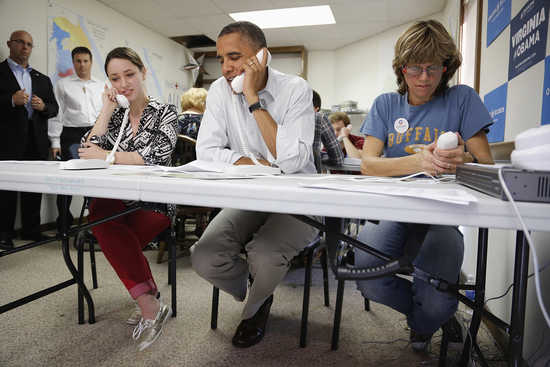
255	106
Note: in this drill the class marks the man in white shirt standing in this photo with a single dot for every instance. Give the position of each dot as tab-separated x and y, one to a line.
79	99
276	118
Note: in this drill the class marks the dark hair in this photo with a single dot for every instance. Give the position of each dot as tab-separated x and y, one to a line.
81	50
316	100
249	30
426	41
125	53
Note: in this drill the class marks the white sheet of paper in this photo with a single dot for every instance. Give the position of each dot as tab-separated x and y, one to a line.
197	166
454	196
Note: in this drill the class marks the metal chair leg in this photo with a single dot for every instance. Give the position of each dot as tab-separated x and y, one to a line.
80	269
172	269
324	266
337	315
215	302
92	263
443	349
305	304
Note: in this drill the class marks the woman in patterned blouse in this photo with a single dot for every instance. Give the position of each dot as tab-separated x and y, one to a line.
148	139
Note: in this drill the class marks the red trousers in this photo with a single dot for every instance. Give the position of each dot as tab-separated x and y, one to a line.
123	239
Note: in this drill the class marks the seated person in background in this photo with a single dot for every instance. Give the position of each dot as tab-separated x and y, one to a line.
351	144
275	115
325	135
426	58
193	103
149	139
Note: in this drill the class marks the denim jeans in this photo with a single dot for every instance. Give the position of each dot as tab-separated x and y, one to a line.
73	150
441	254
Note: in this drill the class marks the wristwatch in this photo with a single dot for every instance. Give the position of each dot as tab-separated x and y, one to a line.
260	105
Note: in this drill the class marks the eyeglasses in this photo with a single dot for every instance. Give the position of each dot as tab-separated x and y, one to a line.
23	43
431	70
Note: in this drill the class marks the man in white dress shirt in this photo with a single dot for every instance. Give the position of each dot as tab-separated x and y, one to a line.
276	118
79	99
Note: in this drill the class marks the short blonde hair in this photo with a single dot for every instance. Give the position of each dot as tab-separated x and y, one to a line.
426	41
194	98
339	116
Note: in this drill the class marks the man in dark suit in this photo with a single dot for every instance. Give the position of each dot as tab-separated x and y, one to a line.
26	103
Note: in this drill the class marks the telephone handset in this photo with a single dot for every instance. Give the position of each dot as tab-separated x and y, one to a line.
124	103
100	163
238	82
341	136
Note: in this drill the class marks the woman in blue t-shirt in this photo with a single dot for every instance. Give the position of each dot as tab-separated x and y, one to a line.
404	127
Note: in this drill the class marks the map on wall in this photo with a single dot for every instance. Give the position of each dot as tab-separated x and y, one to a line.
68	29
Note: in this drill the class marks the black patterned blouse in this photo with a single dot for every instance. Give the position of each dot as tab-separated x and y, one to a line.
155	139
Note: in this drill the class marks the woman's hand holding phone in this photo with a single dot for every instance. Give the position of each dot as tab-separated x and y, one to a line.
109	98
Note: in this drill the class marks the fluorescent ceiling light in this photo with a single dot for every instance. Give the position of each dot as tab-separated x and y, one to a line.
288	17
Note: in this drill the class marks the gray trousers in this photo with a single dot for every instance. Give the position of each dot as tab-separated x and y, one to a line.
270	241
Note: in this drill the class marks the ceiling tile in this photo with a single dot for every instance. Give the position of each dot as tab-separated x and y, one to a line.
232	6
188	8
173	26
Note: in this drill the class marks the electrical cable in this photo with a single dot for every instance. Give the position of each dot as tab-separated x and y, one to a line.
511	285
531	246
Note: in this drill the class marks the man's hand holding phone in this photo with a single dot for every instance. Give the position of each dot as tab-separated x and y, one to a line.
253	75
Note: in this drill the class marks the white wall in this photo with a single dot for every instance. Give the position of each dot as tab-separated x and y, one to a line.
32	16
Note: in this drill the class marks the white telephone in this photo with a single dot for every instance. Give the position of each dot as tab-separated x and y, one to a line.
448	140
100	163
532	149
238	82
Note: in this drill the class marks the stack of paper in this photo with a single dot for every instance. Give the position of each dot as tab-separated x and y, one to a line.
220	170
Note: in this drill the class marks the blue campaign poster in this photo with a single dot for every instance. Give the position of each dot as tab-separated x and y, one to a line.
545	118
528	32
498	17
495	101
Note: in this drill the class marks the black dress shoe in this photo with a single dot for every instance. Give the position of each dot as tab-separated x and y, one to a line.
35	237
5	242
251	331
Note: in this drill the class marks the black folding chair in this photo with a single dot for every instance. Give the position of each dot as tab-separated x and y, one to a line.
168	236
308	252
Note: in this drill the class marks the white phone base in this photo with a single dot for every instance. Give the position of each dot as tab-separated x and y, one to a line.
535	158
75	164
252	169
448	140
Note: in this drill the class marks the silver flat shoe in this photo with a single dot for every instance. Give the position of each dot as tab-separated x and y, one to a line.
135	316
147	331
